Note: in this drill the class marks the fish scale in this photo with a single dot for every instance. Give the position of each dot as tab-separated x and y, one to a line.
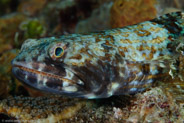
111	62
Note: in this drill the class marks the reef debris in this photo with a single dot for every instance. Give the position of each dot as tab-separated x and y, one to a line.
154	105
40	109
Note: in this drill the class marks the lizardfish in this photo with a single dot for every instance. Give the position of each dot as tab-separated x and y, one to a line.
112	62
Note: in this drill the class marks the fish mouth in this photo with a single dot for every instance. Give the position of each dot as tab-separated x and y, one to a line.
42	73
44	80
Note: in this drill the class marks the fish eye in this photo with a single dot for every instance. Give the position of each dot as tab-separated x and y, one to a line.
59	51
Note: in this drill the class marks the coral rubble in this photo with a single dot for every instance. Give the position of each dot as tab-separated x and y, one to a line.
154	105
40	109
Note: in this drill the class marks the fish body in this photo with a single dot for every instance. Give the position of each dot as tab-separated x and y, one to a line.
112	62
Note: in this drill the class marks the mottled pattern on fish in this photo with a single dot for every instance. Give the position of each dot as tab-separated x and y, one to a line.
112	62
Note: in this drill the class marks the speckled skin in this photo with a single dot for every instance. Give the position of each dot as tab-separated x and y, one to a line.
111	62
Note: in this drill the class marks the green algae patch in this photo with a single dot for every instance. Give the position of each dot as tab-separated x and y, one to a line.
33	28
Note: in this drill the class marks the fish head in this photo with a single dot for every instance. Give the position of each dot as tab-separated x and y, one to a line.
52	65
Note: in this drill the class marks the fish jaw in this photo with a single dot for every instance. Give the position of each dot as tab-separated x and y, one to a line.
48	77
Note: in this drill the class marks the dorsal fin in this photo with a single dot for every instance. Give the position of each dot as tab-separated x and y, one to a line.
173	22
